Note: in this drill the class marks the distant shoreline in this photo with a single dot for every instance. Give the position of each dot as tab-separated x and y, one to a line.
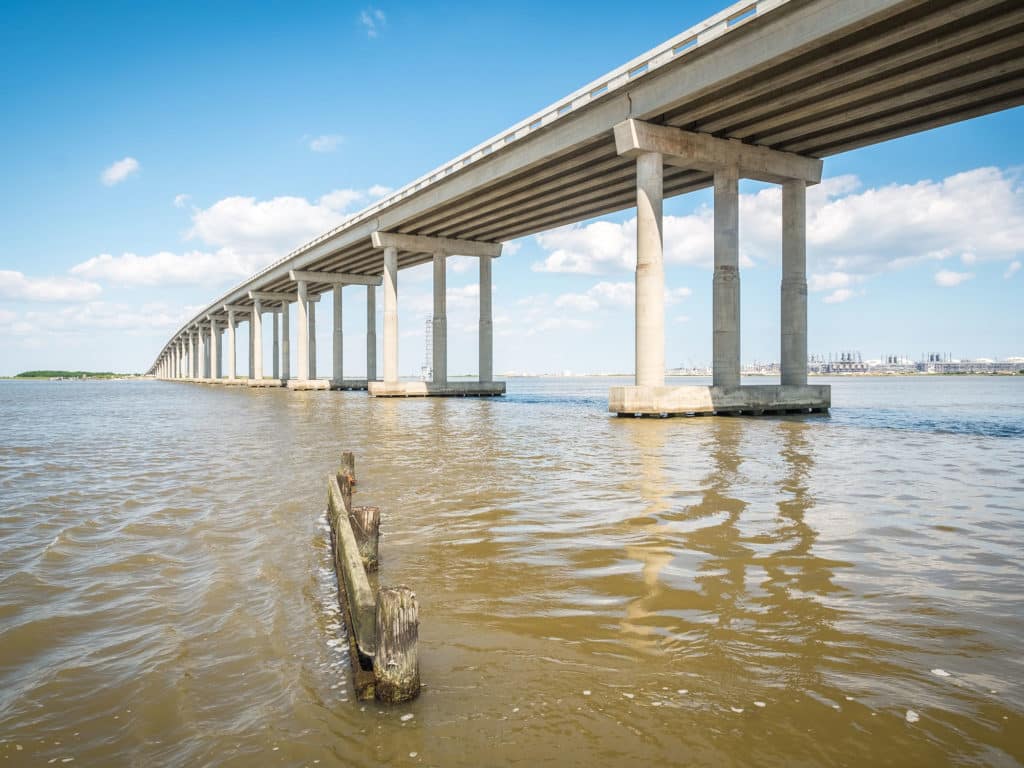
61	375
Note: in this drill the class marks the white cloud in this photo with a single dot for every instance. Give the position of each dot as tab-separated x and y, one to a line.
119	171
606	295
589	249
15	286
829	281
275	226
838	296
97	315
195	267
852	234
181	200
373	20
325	143
245	235
949	279
378	191
1011	270
340	199
675	295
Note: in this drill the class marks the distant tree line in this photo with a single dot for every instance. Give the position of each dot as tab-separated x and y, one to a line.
68	375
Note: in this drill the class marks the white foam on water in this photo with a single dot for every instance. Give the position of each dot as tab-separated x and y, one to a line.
586	693
628	695
940	673
737	710
682	691
912	716
760	704
655	703
413	754
407	717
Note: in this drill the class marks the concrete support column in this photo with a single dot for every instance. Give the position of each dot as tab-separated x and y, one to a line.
339	341
793	355
286	342
726	282
440	321
231	345
277	349
390	315
191	363
302	334
214	350
203	373
252	349
257	340
371	333
311	316
486	333
650	272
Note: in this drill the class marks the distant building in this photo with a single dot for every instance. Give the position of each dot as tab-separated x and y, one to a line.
839	363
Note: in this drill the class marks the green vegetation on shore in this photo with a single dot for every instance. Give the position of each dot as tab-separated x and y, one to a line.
72	375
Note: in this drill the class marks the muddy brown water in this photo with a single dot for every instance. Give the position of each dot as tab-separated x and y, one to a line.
594	591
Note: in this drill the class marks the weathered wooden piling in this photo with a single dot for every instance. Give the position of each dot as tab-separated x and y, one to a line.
366	524
388	619
396	665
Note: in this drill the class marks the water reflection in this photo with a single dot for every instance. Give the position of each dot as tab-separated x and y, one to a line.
654	550
731	578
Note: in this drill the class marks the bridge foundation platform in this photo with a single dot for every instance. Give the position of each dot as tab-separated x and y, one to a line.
431	389
302	385
348	384
263	383
234	382
697	400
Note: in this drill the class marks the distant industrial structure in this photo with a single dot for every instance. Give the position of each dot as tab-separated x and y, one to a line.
932	362
842	362
853	363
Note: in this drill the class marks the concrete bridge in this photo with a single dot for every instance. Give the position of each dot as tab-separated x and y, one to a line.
763	90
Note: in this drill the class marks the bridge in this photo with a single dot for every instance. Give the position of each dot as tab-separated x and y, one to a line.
763	90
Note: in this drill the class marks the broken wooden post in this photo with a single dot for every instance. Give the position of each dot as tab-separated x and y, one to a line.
348	465
366	525
347	478
396	665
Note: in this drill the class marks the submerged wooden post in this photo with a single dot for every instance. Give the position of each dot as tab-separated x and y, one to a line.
366	526
396	664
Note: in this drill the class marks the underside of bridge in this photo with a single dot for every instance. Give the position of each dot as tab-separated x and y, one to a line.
811	78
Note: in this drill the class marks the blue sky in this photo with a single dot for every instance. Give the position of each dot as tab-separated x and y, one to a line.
233	132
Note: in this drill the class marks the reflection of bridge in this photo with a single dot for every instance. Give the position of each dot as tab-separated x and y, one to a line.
763	90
